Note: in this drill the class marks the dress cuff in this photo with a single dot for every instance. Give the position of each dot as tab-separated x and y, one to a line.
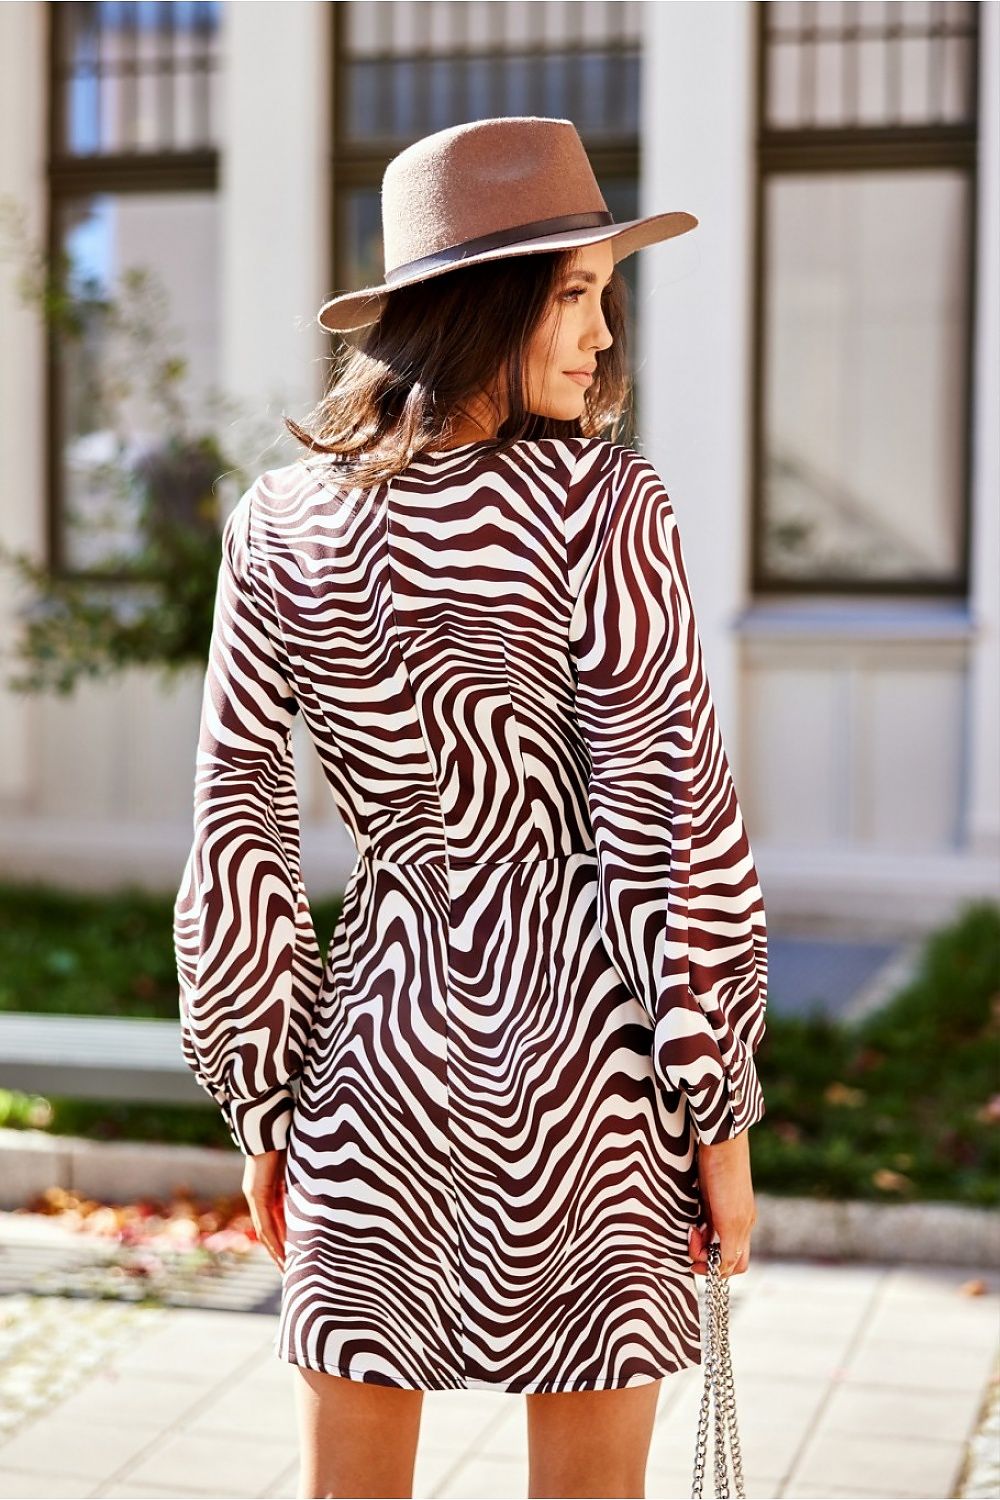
260	1125
723	1106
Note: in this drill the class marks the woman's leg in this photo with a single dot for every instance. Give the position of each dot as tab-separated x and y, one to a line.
355	1438
590	1442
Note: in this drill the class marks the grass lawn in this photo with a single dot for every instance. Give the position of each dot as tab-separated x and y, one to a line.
903	1106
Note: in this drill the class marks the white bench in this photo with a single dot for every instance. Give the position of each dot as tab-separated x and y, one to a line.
96	1057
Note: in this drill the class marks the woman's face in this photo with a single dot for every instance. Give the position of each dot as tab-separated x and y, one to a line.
569	336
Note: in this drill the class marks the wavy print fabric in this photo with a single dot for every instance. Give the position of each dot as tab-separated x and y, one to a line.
548	978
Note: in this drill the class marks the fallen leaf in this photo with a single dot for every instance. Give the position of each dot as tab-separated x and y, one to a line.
889	1181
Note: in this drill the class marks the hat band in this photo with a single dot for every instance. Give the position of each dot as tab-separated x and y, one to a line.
454	254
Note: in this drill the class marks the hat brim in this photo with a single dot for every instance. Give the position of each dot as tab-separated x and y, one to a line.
357	309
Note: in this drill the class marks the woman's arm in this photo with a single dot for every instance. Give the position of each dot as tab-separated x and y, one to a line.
248	962
680	902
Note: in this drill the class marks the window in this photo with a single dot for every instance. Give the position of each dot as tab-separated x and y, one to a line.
867	119
132	181
405	68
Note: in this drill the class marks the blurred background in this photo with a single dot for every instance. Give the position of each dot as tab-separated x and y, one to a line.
817	378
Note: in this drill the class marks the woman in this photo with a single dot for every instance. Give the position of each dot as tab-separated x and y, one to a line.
525	1064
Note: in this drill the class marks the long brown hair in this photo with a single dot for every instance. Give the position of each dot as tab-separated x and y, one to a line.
443	342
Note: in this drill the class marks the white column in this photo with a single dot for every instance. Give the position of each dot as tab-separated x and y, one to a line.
695	307
275	192
274	202
22	361
983	806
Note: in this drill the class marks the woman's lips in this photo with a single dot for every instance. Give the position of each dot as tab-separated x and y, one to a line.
580	376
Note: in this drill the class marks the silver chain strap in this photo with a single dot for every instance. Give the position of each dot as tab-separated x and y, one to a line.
719	1384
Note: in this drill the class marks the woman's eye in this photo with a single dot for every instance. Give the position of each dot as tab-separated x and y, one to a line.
580	291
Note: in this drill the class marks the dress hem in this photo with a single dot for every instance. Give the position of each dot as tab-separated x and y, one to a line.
512	1387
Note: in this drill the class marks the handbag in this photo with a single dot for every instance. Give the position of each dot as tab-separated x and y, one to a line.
718	1388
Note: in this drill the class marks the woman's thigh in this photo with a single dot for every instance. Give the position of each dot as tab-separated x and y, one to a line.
584	1443
355	1438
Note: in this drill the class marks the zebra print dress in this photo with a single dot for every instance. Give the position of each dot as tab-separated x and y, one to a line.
548	978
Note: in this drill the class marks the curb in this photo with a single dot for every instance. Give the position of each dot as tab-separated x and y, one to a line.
950	1234
32	1161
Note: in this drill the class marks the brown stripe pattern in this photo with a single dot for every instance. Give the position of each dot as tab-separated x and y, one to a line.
548	978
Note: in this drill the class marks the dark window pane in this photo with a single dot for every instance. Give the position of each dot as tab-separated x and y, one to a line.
402	98
362	245
136	76
870	63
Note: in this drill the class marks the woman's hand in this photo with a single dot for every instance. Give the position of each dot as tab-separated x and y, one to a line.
727	1205
264	1190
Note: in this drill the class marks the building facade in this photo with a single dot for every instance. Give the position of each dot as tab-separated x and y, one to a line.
816	373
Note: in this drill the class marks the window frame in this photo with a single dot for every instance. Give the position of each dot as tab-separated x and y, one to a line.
361	164
854	148
71	176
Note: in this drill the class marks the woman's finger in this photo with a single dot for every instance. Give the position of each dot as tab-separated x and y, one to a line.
699	1239
278	1213
261	1212
733	1262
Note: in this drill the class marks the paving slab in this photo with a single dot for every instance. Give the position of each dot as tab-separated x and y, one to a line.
15	1484
918	1466
58	1444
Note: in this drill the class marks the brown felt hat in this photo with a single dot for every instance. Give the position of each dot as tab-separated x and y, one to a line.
515	185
